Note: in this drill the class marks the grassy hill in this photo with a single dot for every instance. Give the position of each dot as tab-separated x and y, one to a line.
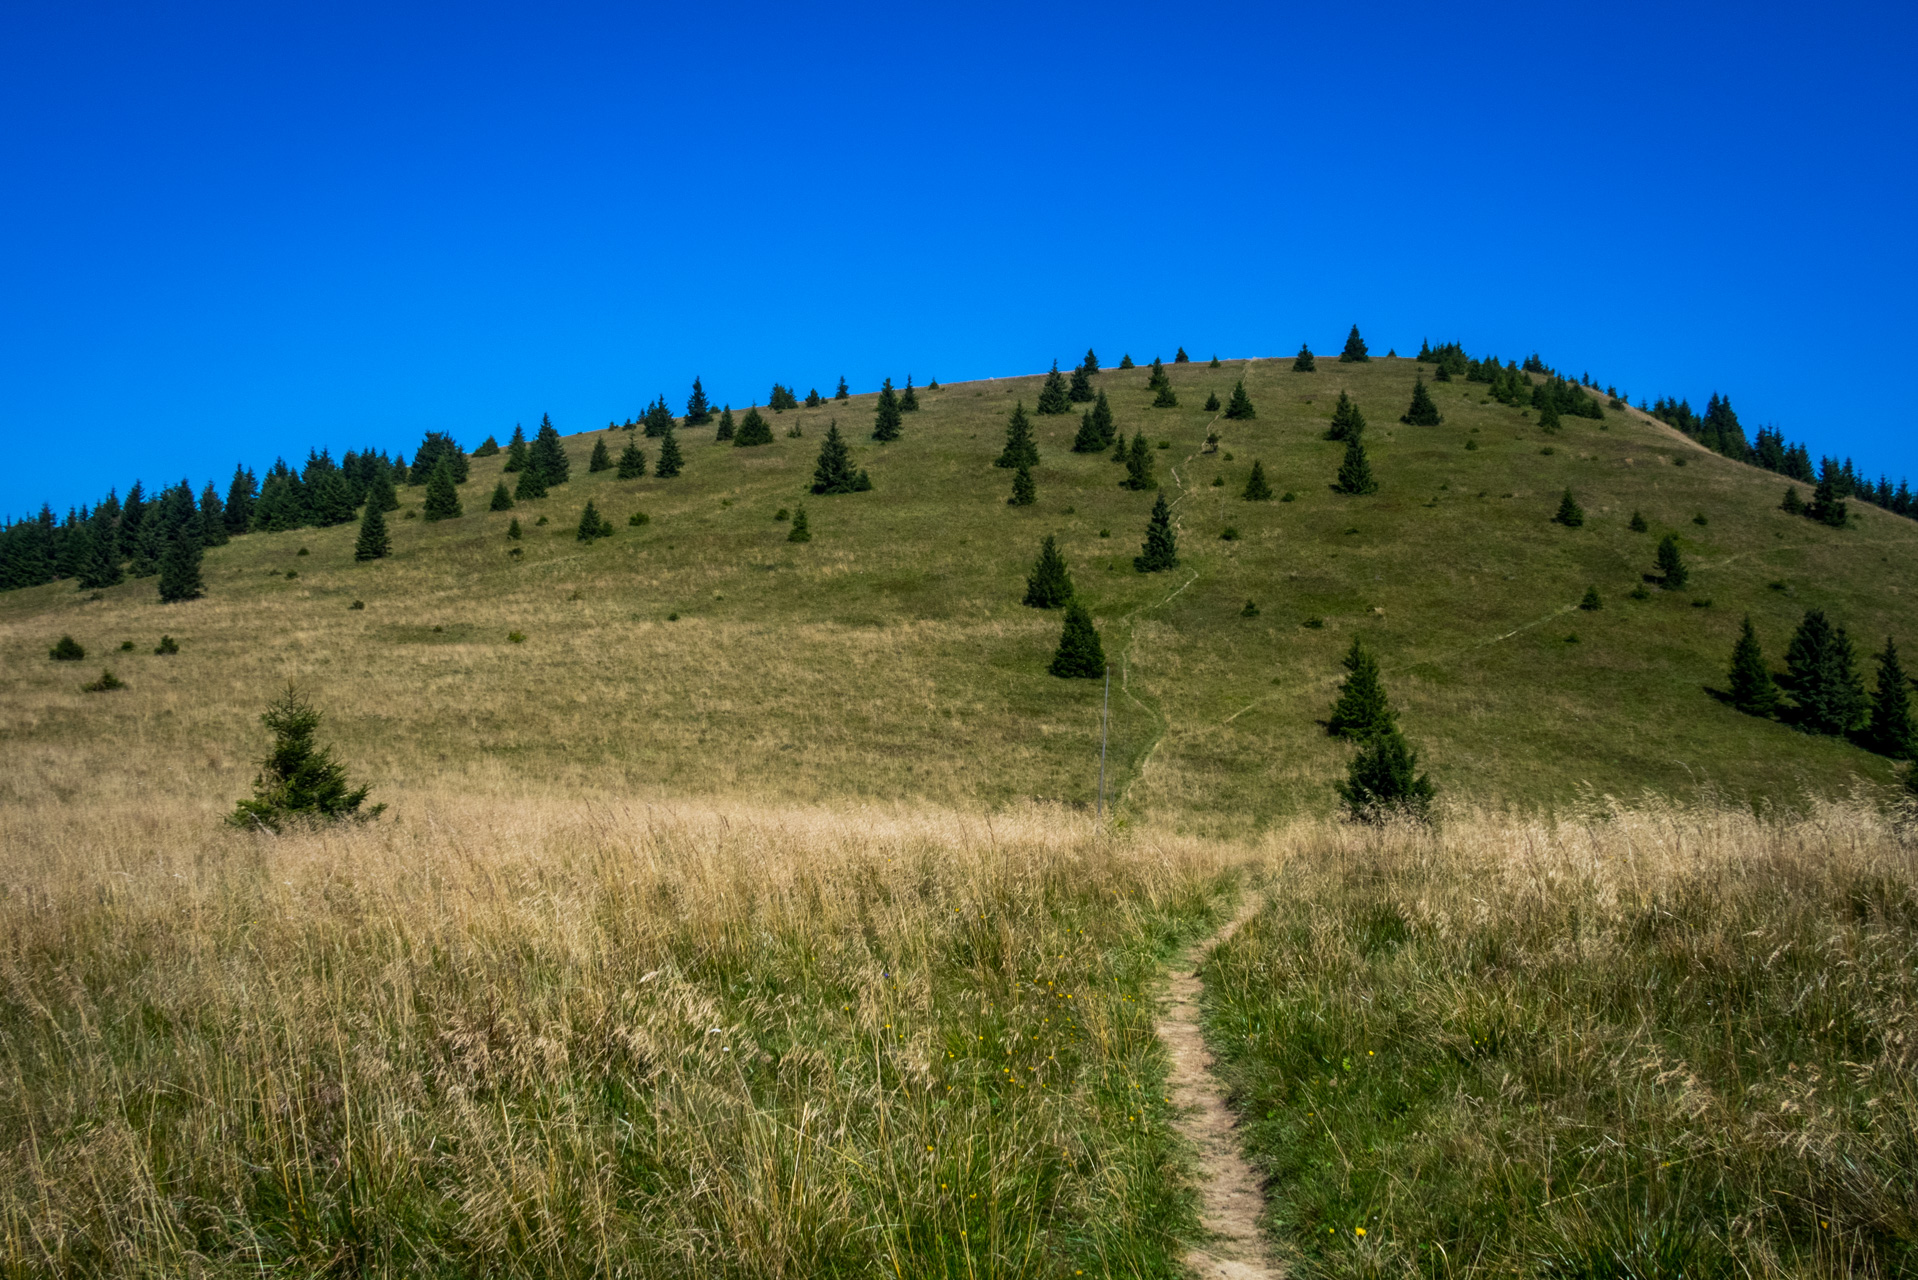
890	658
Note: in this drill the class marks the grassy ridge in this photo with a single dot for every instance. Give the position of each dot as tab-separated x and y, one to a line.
1648	1044
548	1041
890	658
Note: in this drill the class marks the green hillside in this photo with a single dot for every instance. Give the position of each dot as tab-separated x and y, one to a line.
891	657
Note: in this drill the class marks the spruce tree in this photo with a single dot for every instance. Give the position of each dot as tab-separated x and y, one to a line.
381	493
834	473
1383	781
592	524
1080	392
725	429
488	448
1240	409
1166	399
1892	731
1157	379
909	399
1569	513
1138	466
886	417
801	530
1256	488
548	455
753	430
1052	396
180	560
1824	680
1355	473
240	496
1161	549
1125	361
843	393
1672	573
67	649
1827	506
1303	362
502	500
1024	493
532	484
1793	504
373	544
1049	585
1080	656
1347	422
1354	352
517	452
100	562
632	461
1089	439
658	419
299	781
699	410
671	461
1362	709
442	498
1089	365
212	517
814	399
1020	449
1181	357
602	459
513	530
1591	603
1548	415
1119	449
1102	418
1752	688
1637	523
1212	402
1423	411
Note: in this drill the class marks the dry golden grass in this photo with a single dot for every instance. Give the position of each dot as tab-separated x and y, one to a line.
542	1038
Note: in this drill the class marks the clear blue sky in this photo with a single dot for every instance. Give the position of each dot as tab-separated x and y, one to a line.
234	232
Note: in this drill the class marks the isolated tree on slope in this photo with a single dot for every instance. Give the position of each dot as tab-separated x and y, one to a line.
725	429
548	455
834	472
1020	448
1891	731
1672	573
502	500
299	780
1053	398
632	461
1355	472
699	410
442	498
1569	513
1347	422
909	399
1752	688
1161	549
1102	418
592	524
1362	709
1089	438
1256	488
602	459
1138	466
1080	656
886	416
1303	362
1024	492
1383	781
753	430
1354	352
671	460
373	542
1240	408
517	452
1049	585
1423	411
1080	392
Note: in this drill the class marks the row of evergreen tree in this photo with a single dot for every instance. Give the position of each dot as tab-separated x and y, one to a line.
1820	690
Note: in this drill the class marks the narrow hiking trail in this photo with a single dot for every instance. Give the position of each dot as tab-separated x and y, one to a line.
1230	1200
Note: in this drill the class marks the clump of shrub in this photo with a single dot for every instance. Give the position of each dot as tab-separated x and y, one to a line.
106	683
67	649
1229	534
357	604
167	645
516	637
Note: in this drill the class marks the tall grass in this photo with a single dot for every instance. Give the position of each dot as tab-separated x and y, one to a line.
551	1040
1655	1043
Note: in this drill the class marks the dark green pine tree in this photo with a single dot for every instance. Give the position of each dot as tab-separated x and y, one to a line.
1049	585
1024	492
180	559
1355	473
381	493
1753	690
1354	352
1569	513
671	461
834	473
1793	504
699	410
100	560
1020	448
1891	731
1089	439
1167	398
801	530
1119	449
532	483
658	419
1181	357
753	430
241	494
1080	392
1362	709
1383	781
602	459
844	392
488	448
592	524
212	517
1157	379
442	497
1423	411
1637	523
1672	573
1823	673
1138	466
1125	361
513	530
1256	488
373	544
1212	402
886	417
1827	507
1102	418
1591	603
548	455
517	452
299	781
909	399
1347	422
1548	419
632	460
1303	362
1053	398
502	500
725	429
1161	550
1240	408
1080	656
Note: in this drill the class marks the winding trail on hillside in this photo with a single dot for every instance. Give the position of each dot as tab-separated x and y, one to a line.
1229	1197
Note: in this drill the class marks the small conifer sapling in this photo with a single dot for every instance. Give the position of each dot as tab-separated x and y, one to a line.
1423	411
1569	513
299	781
442	498
1161	549
1256	487
602	459
1892	731
1672	571
1049	585
1240	409
1024	492
632	460
671	460
1354	352
1303	362
502	500
1021	449
801	531
373	542
1053	397
1355	471
1752	689
1080	656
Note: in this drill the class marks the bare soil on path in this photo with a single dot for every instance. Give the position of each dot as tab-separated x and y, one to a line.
1230	1198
